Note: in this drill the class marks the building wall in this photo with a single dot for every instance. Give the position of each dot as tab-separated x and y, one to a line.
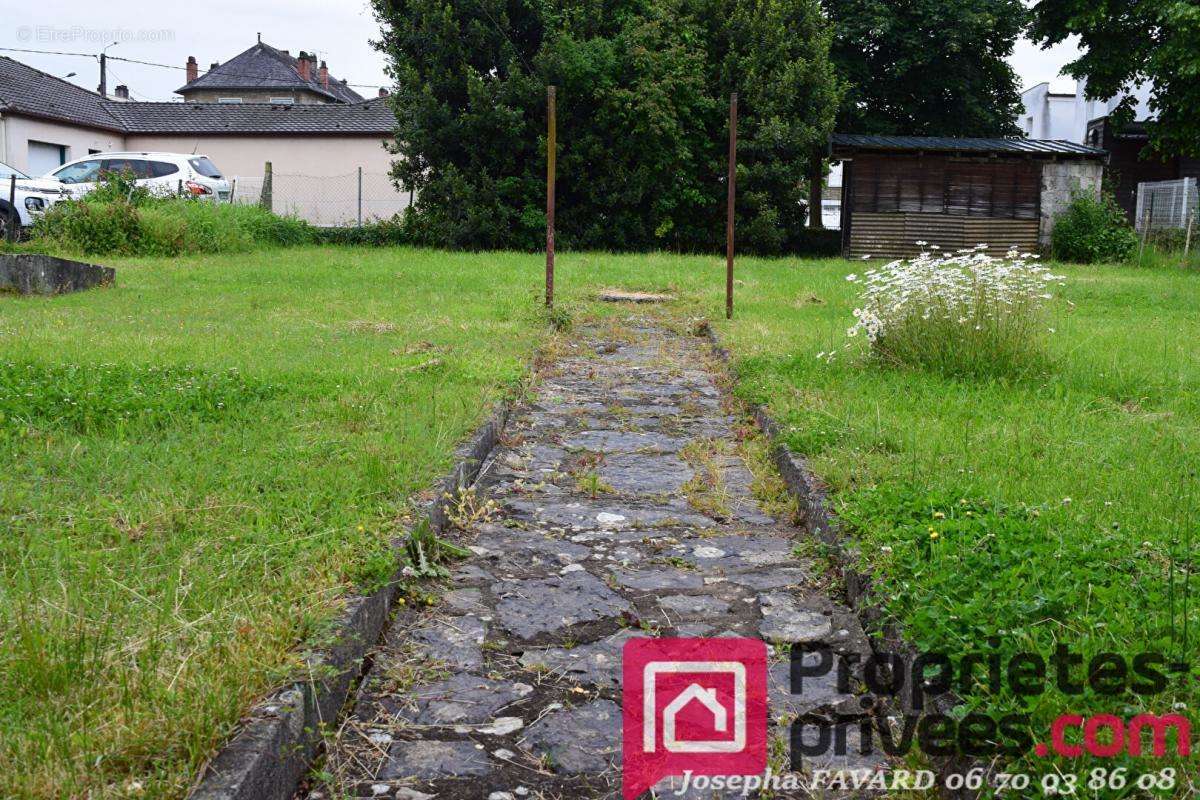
255	96
1048	115
315	177
1062	182
16	133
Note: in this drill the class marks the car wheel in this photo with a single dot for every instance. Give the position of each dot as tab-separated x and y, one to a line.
10	224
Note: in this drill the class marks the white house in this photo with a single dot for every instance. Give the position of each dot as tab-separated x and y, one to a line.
1065	115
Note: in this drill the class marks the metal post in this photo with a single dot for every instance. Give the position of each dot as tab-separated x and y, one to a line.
1187	238
551	158
11	233
729	206
360	197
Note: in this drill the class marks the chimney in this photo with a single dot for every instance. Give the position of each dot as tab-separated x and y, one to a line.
302	67
213	66
122	92
383	92
324	76
193	69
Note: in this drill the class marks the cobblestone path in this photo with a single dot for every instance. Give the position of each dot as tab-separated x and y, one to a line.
624	509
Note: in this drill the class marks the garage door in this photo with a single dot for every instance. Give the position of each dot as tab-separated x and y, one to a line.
44	157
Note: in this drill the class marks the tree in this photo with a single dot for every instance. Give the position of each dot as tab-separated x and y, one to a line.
927	67
1128	42
643	89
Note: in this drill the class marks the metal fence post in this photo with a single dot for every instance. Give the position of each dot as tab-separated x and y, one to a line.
360	197
551	157
729	206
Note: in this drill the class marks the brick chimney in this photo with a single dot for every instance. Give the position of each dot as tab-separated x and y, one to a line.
122	92
193	69
324	73
383	92
303	67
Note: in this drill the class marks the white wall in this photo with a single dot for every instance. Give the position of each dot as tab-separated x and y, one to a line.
1048	115
316	177
1088	110
16	133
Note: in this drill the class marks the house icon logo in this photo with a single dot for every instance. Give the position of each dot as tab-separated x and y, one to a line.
695	705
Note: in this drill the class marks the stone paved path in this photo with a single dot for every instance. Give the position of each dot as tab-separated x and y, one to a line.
625	510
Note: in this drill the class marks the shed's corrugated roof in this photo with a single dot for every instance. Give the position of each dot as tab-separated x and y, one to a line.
270	69
948	144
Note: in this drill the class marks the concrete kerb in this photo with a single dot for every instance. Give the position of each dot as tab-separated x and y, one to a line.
281	736
817	520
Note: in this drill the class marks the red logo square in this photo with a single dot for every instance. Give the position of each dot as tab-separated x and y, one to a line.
697	705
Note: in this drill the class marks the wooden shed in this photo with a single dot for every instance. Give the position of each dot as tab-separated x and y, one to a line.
956	193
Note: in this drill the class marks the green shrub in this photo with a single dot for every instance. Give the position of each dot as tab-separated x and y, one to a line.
1092	230
383	233
120	218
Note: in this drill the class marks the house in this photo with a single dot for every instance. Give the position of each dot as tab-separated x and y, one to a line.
316	148
1077	118
957	192
264	74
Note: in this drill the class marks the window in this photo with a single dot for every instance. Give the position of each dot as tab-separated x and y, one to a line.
80	172
7	172
283	101
229	100
161	169
205	167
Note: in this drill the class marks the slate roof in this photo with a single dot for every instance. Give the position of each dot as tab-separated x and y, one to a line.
268	68
25	90
34	93
947	144
370	116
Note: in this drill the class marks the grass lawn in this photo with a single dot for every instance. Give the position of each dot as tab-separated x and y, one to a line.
196	464
199	461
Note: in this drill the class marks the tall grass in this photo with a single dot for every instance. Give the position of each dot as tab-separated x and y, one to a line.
966	314
121	219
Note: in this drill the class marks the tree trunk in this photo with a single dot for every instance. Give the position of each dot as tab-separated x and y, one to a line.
816	181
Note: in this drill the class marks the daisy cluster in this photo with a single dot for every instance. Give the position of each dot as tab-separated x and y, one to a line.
968	288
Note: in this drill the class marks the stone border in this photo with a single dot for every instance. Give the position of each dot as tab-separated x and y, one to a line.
281	736
34	273
817	520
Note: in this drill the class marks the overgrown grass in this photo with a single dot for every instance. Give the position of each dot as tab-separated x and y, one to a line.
121	219
197	462
168	541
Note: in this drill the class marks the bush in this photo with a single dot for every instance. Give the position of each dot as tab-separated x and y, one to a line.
383	233
1093	230
120	218
967	314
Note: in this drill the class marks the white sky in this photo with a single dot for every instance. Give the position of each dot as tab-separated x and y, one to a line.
169	31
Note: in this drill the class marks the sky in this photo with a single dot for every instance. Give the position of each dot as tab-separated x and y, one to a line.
339	31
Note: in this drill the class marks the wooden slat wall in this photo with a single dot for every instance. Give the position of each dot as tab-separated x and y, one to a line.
933	184
894	235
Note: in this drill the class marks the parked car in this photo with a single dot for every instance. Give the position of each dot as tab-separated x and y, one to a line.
32	197
164	174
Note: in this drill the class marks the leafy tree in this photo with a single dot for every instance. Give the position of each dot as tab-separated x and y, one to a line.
927	67
643	90
1127	42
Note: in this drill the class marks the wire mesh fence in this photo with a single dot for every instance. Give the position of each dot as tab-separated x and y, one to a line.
1166	205
326	200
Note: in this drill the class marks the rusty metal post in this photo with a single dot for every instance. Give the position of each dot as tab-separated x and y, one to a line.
551	157
729	206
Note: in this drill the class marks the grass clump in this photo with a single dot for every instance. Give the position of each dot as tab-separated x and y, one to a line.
120	218
967	314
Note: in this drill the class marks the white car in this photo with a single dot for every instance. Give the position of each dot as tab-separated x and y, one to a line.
164	174
32	197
